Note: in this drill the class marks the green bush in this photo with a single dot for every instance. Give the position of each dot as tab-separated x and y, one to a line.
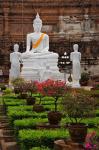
35	138
2	86
40	148
14	115
28	123
84	78
20	108
18	81
15	103
8	91
92	121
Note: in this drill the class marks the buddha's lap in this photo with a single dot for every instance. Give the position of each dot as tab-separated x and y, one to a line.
42	55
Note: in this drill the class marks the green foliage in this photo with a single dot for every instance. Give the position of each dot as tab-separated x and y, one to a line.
2	86
35	138
84	77
97	86
92	121
40	148
20	108
14	115
7	91
15	103
28	123
17	81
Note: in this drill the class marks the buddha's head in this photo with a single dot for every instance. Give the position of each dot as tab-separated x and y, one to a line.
75	47
37	23
16	47
86	17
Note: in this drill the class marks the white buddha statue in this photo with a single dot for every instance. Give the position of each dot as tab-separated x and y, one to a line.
75	57
38	62
39	42
15	60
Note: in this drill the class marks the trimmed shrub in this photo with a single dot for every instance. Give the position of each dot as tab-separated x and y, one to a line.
28	123
35	138
14	115
40	148
8	91
15	103
20	108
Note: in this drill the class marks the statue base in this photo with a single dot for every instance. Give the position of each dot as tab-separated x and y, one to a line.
41	69
75	84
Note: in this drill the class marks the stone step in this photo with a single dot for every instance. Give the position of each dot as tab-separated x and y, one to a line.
8	132
2	113
7	138
1	108
3	121
3	117
5	127
4	124
9	145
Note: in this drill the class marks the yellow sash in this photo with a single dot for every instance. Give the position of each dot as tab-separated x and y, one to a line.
35	45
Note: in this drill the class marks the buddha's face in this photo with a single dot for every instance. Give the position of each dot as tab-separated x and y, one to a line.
37	27
75	47
16	47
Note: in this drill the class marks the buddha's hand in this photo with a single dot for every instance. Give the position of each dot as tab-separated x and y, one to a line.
26	54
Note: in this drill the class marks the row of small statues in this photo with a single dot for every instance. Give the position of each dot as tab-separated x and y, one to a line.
40	49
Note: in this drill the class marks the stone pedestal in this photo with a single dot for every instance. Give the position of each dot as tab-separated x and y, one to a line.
41	68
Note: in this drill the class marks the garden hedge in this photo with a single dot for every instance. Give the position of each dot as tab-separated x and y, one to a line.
37	138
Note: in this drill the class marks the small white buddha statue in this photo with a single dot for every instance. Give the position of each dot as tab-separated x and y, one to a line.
39	41
75	57
15	60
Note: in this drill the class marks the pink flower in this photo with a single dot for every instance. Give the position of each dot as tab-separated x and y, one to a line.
88	146
90	141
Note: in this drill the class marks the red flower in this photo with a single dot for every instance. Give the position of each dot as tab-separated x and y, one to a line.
52	88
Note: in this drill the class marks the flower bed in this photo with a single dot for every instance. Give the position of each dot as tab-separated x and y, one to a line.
17	109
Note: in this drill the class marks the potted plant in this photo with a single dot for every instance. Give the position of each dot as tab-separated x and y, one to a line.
31	89
54	89
17	83
38	107
77	106
84	79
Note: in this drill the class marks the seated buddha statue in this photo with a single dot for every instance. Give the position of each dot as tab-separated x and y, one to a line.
38	62
39	42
